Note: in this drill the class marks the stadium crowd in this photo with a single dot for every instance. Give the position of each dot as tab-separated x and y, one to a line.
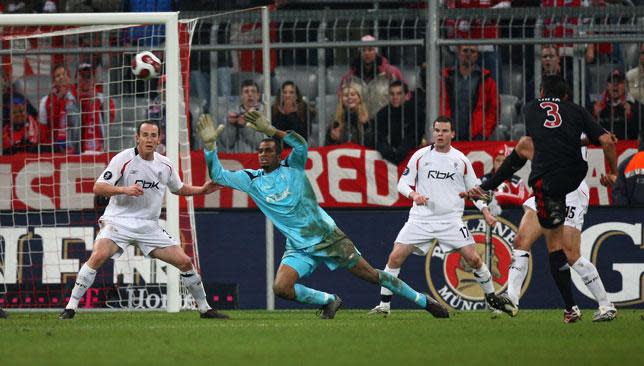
377	105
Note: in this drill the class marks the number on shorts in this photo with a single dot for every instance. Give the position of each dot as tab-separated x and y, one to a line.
570	212
465	232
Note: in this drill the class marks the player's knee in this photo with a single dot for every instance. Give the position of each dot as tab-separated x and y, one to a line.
98	257
474	261
283	290
394	260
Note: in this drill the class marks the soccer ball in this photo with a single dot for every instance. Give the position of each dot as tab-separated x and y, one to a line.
145	65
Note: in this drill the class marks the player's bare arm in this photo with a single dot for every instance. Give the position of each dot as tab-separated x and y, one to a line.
207	188
607	142
108	190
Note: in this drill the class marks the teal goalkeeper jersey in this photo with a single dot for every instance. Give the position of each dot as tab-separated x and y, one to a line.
284	195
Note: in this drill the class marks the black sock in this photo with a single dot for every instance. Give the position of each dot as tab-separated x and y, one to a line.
385	298
562	277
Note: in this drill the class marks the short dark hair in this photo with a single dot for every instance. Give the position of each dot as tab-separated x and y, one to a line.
401	84
444	119
278	144
150	122
249	82
555	86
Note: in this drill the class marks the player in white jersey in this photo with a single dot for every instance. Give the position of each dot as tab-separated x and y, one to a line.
136	180
562	257
439	172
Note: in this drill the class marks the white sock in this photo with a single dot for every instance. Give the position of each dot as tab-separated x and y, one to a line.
517	273
385	291
590	276
484	278
192	281
84	280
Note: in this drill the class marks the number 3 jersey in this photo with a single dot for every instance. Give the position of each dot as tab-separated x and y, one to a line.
440	177
555	126
128	168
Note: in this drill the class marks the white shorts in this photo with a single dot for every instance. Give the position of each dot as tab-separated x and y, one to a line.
145	234
451	235
576	206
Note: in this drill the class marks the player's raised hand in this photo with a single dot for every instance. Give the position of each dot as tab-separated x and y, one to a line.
134	190
210	187
607	180
256	121
207	131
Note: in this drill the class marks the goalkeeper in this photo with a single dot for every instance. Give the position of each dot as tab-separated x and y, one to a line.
283	193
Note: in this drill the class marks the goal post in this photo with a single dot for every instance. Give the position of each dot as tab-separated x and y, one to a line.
175	117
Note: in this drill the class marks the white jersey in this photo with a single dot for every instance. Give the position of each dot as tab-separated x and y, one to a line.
128	168
440	177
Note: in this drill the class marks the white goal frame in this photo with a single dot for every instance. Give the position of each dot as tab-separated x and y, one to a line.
171	51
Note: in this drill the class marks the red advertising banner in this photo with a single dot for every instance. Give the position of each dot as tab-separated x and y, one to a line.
341	176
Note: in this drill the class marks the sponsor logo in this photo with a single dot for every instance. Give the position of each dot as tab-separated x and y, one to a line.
616	249
440	175
452	282
147	185
107	175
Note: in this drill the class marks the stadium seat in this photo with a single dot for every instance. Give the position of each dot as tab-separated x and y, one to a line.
509	110
334	76
631	56
331	103
33	87
225	104
411	77
512	81
517	131
304	77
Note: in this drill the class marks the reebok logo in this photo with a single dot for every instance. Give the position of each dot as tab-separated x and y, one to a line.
440	175
147	185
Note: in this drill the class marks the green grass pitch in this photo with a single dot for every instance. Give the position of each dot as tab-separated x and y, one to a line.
299	338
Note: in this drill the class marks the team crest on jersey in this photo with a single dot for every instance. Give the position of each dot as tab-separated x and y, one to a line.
450	279
107	175
406	171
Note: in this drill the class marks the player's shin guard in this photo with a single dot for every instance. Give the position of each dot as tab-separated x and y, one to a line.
307	295
517	273
399	287
84	280
588	273
385	293
560	271
192	281
484	278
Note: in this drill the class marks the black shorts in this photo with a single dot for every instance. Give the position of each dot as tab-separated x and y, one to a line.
550	197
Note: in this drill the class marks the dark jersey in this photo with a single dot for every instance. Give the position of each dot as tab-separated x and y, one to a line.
555	127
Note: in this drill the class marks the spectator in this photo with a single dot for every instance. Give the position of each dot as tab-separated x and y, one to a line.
374	72
53	108
21	134
156	112
616	111
92	103
351	122
469	96
235	137
396	128
291	112
512	192
629	187
477	28
635	78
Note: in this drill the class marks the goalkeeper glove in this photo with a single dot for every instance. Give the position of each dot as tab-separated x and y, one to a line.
207	131
256	121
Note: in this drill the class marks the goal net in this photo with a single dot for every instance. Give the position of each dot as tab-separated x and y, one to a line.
71	102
